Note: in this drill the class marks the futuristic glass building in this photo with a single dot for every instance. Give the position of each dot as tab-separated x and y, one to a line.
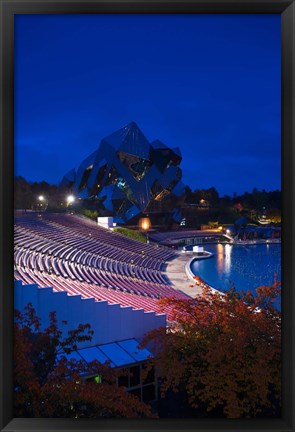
128	174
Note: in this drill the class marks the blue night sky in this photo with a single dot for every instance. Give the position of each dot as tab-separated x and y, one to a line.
209	84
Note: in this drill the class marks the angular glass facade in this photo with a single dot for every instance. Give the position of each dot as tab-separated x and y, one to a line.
128	173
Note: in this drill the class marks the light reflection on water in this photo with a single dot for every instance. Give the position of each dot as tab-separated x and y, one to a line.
245	266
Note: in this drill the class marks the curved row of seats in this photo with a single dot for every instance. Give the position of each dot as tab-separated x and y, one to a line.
75	228
85	290
30	259
73	254
82	255
143	257
86	226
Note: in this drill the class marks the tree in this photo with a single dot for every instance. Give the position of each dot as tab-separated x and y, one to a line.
188	194
49	385
23	196
224	351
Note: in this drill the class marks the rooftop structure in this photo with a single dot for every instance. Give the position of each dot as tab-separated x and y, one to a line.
127	173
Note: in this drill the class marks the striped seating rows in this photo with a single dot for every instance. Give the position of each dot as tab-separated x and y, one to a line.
73	254
27	258
88	231
85	290
80	256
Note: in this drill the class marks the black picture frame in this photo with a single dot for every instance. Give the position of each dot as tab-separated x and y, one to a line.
8	9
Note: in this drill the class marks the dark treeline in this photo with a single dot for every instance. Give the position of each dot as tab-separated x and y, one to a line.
197	206
254	200
204	205
26	194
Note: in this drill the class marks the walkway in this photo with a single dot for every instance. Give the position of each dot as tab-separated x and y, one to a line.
174	237
176	274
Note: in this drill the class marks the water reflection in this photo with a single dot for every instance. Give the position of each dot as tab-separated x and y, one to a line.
223	259
220	259
227	263
247	267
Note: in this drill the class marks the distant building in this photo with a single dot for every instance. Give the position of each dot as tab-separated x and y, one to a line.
128	174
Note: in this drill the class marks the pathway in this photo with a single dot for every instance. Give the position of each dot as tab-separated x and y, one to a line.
176	274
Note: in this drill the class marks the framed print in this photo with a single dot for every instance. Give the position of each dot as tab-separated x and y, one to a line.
147	206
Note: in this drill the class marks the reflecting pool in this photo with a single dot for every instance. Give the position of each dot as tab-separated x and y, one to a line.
244	266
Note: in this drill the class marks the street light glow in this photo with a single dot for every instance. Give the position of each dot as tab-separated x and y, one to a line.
145	223
41	198
70	199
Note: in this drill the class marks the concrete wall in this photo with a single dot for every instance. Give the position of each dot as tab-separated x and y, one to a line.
110	322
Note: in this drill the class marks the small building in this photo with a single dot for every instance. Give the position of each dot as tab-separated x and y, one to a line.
106	222
127	356
199	250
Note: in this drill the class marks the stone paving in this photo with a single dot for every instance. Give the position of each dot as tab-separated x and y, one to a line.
176	274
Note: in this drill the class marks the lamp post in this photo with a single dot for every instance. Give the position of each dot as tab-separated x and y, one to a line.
41	204
70	200
145	226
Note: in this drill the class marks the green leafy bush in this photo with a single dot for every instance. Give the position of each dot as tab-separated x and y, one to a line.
131	233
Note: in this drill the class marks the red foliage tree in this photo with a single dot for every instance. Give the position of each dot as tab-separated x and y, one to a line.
49	385
224	351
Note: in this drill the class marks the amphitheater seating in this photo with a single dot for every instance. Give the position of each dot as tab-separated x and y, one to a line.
73	254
